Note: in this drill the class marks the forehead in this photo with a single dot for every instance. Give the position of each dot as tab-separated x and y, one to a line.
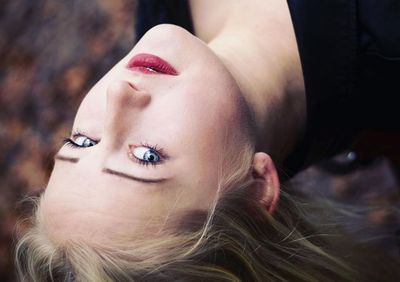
83	202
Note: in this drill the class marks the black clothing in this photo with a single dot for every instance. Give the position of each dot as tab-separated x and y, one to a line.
153	12
350	55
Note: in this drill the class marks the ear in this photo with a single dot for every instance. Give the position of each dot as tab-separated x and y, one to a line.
264	168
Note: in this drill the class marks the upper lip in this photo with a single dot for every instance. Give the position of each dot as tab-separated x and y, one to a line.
149	63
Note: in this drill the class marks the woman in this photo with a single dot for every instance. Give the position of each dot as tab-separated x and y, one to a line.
166	175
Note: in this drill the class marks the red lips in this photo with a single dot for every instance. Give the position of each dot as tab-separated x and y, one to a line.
151	64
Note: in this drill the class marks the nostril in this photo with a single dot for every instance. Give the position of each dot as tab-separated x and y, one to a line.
133	86
123	93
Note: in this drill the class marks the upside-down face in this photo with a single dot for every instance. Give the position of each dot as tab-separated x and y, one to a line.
149	140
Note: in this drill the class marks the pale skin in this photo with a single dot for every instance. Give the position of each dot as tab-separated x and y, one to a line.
256	41
102	191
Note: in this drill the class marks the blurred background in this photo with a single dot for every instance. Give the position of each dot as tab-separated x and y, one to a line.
53	51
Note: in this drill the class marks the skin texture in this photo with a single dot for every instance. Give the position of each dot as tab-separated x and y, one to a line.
257	43
193	117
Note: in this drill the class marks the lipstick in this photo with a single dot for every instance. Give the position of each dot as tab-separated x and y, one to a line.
151	64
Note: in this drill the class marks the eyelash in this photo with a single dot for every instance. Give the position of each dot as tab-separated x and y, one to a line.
71	143
155	148
67	141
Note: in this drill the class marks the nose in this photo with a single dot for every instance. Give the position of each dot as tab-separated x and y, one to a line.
124	105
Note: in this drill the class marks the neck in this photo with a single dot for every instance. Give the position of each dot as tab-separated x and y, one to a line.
261	53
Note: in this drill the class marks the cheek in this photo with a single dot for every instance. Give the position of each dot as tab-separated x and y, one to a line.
91	112
196	123
206	111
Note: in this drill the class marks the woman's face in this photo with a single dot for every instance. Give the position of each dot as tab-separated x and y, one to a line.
150	137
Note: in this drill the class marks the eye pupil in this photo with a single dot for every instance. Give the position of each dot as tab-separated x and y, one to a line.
88	143
145	155
151	156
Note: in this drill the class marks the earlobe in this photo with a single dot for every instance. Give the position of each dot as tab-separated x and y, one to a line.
264	168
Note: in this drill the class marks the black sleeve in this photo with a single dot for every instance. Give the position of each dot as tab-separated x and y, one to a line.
153	12
378	76
349	52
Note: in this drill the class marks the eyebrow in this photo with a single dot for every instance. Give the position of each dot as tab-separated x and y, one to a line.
131	177
67	159
114	172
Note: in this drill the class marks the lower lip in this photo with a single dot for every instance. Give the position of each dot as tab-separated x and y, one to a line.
151	64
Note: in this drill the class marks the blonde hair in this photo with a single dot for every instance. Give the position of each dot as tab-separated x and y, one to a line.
235	240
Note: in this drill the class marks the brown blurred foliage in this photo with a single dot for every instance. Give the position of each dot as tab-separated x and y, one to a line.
51	53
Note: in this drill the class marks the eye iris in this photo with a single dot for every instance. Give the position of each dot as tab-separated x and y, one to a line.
151	156
88	143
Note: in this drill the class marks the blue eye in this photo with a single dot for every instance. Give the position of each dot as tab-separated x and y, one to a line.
80	141
146	155
83	141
